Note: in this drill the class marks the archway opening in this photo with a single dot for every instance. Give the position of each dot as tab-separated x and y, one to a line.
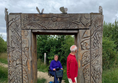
51	44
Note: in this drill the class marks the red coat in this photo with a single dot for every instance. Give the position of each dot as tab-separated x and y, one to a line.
72	67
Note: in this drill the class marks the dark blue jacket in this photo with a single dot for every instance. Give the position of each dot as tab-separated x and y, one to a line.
55	64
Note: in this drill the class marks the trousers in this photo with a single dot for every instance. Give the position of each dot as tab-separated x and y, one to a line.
70	81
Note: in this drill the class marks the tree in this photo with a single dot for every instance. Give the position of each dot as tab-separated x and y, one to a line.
54	44
110	45
3	45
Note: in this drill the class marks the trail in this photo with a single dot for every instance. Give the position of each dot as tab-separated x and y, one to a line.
46	76
4	65
39	74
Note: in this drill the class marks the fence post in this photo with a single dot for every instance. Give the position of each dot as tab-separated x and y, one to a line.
44	58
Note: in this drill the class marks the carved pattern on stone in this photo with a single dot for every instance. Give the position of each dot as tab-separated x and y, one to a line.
86	58
86	74
96	72
26	58
52	21
84	39
14	50
85	45
96	48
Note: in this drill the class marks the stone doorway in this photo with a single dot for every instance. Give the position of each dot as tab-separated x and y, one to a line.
21	43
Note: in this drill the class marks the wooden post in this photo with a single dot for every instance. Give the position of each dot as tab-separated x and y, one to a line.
44	58
83	56
34	58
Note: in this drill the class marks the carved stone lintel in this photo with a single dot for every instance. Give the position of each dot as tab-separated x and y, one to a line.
56	21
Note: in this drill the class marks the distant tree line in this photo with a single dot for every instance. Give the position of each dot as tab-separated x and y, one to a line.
110	45
3	45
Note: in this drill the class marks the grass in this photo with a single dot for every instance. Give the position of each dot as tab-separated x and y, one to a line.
110	76
4	71
65	74
3	75
3	58
39	80
41	66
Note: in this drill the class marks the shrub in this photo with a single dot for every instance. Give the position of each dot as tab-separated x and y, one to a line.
3	75
3	45
110	56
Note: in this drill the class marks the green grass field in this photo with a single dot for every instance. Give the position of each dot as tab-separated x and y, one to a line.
41	80
41	66
3	75
110	76
3	58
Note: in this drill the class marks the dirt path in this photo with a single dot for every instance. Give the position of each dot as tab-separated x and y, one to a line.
4	65
39	74
46	76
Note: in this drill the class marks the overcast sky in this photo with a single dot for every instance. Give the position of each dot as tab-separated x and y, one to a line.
110	8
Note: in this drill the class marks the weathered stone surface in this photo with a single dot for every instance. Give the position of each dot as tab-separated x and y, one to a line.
55	21
26	56
14	49
83	56
29	57
96	48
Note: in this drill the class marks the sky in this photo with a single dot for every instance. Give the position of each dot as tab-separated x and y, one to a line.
110	8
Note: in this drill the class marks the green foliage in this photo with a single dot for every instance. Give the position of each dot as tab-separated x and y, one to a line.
54	44
39	80
60	44
110	31
41	66
110	45
3	45
65	78
110	76
3	58
3	75
51	45
110	55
